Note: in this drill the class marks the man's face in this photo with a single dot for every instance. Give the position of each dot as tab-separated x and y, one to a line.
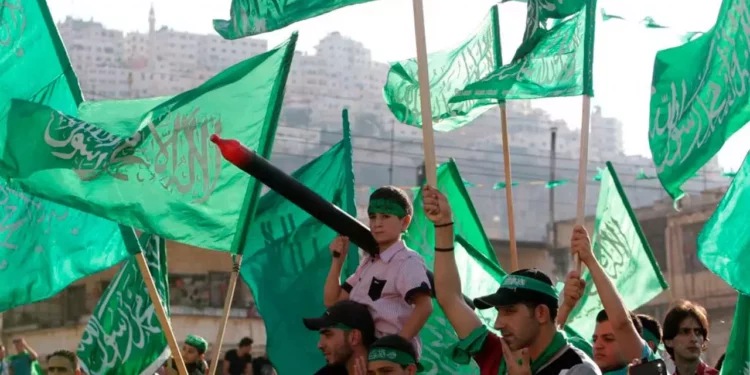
246	349
607	354
518	325
335	346
190	354
18	343
689	342
389	368
59	365
387	228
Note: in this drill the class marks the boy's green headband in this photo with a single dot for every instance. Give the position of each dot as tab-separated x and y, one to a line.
385	206
393	355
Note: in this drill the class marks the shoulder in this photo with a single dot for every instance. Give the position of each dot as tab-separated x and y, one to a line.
574	361
583	368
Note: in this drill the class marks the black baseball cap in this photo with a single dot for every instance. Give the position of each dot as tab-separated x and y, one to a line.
522	286
345	314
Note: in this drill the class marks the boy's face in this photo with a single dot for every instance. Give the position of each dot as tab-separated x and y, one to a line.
607	353
387	228
190	354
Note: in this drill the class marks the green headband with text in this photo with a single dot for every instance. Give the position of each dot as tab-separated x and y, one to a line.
523	282
391	355
385	206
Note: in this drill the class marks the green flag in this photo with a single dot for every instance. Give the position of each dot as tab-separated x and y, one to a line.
253	17
154	168
450	71
555	58
123	335
478	267
696	107
286	259
737	357
724	243
621	248
44	246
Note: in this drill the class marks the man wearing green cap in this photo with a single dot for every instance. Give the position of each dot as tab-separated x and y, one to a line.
392	355
526	303
193	353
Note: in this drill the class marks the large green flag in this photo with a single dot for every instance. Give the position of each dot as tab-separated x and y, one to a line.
724	242
696	107
44	246
154	168
123	335
450	71
478	267
253	17
737	357
621	248
286	259
555	58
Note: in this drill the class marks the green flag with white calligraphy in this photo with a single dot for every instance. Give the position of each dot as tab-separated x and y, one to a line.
286	259
44	246
450	71
253	17
153	167
724	242
696	107
737	357
123	335
478	267
555	58
621	248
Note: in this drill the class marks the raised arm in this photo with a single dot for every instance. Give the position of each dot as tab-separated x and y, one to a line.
627	336
333	290
447	281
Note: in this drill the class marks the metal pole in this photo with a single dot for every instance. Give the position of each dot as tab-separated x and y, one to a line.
393	138
552	233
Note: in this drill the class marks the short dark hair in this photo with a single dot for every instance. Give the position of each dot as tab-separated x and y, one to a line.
539	298
650	324
603	317
67	354
396	195
246	341
682	310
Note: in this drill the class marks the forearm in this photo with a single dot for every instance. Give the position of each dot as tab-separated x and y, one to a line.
448	286
332	290
617	312
562	315
31	352
422	311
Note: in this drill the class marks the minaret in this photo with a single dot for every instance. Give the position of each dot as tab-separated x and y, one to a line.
151	20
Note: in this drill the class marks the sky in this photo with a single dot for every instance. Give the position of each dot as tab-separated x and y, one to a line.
623	61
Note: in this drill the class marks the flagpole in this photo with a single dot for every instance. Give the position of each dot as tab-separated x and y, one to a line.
428	135
508	189
582	170
236	262
161	314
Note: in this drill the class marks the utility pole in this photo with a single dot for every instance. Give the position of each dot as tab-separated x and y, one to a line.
552	230
420	174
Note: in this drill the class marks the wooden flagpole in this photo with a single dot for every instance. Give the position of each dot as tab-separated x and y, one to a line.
216	351
582	170
508	189
428	136
161	314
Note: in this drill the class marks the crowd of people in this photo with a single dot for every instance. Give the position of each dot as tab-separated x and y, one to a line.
372	322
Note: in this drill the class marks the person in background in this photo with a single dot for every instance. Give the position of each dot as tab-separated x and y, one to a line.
63	362
346	332
651	331
236	360
393	283
526	305
25	361
392	355
262	366
193	353
617	336
4	363
686	338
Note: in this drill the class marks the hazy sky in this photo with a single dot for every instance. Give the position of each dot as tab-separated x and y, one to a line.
622	67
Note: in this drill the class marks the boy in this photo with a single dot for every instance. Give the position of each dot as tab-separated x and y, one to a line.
193	353
393	284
